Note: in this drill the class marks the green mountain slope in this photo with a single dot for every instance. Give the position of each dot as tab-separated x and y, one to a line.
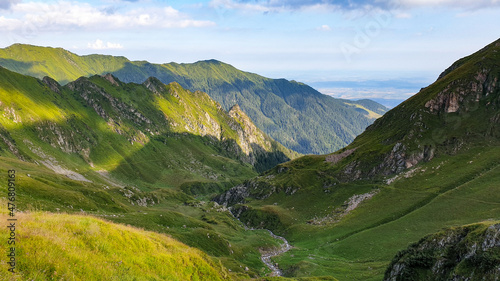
76	247
104	122
293	113
135	154
431	162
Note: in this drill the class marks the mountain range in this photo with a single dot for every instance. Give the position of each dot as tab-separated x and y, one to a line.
294	114
414	197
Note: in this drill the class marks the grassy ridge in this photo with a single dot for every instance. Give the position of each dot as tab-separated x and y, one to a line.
196	223
130	131
294	114
75	247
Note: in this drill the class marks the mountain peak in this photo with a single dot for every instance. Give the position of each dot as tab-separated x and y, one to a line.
487	52
112	79
212	61
295	114
235	108
154	85
238	114
52	84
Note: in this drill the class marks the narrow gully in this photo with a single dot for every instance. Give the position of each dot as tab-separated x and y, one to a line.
266	256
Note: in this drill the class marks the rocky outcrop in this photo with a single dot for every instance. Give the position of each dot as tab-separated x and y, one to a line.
396	161
258	188
96	97
464	93
335	158
248	133
69	140
233	196
465	253
441	125
114	81
52	84
235	131
7	139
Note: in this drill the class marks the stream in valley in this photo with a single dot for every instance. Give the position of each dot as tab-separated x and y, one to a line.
267	255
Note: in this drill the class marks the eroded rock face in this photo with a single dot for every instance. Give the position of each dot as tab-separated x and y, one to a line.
448	102
457	103
258	188
464	253
452	98
394	162
233	196
52	84
251	139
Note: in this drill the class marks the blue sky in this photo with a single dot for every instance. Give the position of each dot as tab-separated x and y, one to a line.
346	48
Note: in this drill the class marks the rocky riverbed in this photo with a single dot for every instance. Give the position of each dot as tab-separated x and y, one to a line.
267	255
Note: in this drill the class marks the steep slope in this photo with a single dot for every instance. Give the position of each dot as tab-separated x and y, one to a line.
76	247
470	252
293	113
431	162
461	110
83	116
135	154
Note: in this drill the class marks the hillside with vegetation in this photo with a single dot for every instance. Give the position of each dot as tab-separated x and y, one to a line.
77	247
147	155
416	195
432	162
294	114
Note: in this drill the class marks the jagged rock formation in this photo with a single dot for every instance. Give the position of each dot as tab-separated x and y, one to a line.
464	253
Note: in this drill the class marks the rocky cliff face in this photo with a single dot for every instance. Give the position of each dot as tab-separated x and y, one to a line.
446	117
465	253
247	131
199	114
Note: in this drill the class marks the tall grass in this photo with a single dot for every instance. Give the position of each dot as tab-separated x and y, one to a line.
78	247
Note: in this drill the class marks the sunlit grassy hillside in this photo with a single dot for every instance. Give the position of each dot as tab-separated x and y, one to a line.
78	247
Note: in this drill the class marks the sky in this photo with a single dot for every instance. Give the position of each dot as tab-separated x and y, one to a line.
380	49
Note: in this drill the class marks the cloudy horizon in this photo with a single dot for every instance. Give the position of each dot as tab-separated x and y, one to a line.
410	41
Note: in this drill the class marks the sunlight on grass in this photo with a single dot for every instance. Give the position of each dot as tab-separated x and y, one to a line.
76	247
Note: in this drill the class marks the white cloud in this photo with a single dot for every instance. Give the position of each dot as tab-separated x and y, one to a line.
324	27
100	45
231	5
401	15
460	4
335	5
449	3
65	15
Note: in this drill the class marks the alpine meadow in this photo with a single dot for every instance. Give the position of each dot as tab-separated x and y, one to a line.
117	169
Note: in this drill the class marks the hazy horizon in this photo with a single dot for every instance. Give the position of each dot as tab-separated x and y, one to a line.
364	44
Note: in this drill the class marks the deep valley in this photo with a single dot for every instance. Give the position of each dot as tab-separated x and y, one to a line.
127	170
